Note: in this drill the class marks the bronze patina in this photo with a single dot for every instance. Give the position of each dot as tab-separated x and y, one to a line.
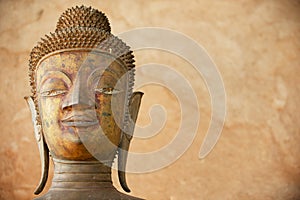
82	104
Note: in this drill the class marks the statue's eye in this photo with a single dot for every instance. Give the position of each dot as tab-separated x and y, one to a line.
52	93
53	87
107	91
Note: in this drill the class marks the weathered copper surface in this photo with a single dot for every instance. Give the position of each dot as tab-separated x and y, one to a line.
81	104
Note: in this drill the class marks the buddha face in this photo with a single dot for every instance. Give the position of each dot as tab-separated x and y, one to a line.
75	91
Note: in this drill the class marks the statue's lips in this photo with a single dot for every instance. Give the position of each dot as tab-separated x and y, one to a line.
79	121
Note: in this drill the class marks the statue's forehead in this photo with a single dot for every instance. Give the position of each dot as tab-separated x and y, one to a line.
76	60
72	62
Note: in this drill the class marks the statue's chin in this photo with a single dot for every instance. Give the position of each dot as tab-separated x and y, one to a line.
75	139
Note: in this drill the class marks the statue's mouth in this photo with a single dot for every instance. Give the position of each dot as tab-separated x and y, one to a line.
79	121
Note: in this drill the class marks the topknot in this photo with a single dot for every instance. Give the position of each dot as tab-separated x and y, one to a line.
83	17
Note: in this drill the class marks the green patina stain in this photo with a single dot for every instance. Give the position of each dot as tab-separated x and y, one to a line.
106	114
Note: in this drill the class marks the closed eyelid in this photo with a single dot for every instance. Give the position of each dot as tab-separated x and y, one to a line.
55	74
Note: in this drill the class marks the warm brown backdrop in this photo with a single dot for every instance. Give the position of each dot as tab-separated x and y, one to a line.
256	46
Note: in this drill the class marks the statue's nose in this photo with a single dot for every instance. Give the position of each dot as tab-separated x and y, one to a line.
79	95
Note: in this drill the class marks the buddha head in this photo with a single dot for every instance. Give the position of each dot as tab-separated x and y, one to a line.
82	103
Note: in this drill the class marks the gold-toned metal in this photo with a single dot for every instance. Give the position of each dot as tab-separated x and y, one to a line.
82	104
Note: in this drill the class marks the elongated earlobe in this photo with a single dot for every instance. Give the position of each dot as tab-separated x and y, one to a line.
43	148
134	106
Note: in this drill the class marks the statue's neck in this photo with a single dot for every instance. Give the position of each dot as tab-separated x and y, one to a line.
77	180
81	175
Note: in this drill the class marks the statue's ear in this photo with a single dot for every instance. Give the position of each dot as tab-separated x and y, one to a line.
134	106
43	149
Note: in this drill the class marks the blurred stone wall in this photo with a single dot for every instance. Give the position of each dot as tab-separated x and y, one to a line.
256	46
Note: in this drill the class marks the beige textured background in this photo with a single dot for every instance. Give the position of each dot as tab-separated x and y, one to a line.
256	46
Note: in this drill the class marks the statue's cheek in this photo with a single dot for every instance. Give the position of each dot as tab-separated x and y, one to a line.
50	109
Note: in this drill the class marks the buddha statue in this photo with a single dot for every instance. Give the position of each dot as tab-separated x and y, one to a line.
83	107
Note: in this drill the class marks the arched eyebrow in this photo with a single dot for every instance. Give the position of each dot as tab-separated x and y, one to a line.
97	72
55	74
